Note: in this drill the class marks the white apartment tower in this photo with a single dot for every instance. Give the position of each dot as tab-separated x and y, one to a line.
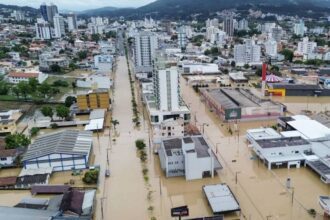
145	45
72	22
271	47
167	89
59	28
42	30
247	53
228	26
306	47
182	37
299	28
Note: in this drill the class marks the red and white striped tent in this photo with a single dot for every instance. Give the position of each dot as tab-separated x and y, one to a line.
271	78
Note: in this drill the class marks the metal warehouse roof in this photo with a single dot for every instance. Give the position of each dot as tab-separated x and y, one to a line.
221	199
64	142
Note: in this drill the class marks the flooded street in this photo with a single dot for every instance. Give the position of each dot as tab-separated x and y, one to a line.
261	193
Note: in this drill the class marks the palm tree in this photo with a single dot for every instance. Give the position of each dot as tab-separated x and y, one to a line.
114	123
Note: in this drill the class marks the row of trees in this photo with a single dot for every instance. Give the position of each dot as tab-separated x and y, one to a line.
61	111
31	89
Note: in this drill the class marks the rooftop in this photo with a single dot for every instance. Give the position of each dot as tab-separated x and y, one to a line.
65	142
221	199
282	142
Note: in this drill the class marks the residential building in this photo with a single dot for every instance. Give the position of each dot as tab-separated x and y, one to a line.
43	30
306	47
72	21
43	11
59	28
98	98
8	122
299	28
95	81
237	79
277	33
212	22
8	156
189	156
243	25
51	12
168	128
16	77
267	27
271	47
48	59
103	63
247	53
229	26
167	91
145	45
64	150
96	28
19	15
182	38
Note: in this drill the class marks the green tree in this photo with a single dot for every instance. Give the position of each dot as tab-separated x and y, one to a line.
114	123
288	54
60	83
34	131
91	176
70	100
82	54
246	66
16	91
16	140
33	83
233	63
44	89
24	88
140	145
4	88
95	37
62	111
73	66
47	111
55	68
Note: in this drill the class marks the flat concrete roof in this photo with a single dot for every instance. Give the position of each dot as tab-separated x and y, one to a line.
310	128
221	199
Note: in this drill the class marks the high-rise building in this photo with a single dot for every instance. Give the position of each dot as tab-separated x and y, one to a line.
48	11
271	47
59	28
51	12
167	89
243	25
19	15
277	33
228	26
42	30
43	11
182	37
306	47
247	53
212	22
299	28
145	44
72	21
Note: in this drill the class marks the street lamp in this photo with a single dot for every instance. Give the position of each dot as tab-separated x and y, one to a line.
216	148
236	176
203	126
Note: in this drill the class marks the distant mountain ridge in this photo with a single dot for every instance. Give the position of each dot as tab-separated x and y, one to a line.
184	8
181	9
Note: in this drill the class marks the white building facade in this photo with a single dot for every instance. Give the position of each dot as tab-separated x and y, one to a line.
247	53
59	28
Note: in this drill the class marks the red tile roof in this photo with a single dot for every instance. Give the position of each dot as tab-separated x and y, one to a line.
23	75
8	181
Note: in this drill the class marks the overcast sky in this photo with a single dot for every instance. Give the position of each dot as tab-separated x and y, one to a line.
77	5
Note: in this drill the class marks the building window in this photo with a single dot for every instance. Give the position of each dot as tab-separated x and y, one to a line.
3	158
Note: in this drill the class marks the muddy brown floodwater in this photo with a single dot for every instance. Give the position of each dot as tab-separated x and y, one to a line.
261	192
